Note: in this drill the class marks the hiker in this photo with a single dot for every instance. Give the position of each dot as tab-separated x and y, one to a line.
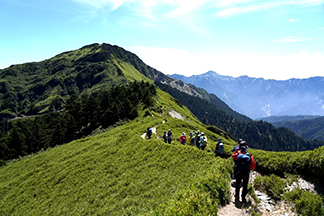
165	136
169	136
244	163
192	138
237	146
243	143
203	141
197	139
219	150
149	133
183	138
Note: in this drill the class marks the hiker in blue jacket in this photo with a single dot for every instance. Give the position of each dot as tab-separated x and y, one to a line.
149	133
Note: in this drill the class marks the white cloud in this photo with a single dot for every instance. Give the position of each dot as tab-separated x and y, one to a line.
239	10
321	28
293	65
293	39
102	3
293	20
238	7
184	7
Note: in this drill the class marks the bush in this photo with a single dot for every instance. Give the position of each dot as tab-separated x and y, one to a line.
272	185
306	203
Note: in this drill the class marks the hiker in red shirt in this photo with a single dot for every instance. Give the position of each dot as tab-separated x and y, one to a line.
244	164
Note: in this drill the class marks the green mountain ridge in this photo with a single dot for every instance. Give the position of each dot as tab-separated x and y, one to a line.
32	87
114	173
38	87
120	173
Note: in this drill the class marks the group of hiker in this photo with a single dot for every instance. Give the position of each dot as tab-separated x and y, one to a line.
199	139
243	160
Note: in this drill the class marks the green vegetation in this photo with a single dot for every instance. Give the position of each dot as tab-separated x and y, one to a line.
258	134
32	88
119	173
272	185
306	203
307	163
308	128
82	115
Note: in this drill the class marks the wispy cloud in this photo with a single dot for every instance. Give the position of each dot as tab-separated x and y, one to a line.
322	28
293	20
102	3
291	39
244	6
239	10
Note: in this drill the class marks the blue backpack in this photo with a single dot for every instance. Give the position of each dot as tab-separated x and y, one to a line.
149	131
243	163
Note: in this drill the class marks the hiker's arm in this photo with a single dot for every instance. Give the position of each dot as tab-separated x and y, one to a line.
252	163
235	154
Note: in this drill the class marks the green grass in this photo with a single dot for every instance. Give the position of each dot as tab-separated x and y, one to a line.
119	173
130	71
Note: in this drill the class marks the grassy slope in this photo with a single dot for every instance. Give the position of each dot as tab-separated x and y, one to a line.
115	173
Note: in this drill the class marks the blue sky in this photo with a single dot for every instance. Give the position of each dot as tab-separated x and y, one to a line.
270	39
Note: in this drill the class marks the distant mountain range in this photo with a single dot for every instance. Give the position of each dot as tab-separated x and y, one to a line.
258	97
307	127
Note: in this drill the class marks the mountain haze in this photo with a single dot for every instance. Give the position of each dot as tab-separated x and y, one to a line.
257	97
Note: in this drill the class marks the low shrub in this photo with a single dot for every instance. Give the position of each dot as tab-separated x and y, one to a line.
272	185
306	203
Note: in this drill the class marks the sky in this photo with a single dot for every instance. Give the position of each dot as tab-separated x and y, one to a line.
264	39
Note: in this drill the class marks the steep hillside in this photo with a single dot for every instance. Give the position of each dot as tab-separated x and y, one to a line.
257	97
275	119
39	87
118	172
34	88
308	128
258	134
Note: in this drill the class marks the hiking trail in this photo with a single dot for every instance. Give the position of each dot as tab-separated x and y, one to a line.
266	207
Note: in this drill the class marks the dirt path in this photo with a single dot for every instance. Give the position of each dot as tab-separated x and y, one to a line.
266	207
153	132
233	208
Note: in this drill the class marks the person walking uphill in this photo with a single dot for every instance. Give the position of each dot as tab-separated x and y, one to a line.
149	133
220	150
244	163
203	141
197	138
183	138
165	136
169	136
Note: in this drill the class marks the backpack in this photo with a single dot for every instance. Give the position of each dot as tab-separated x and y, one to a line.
149	131
243	163
204	140
197	139
221	149
182	139
193	140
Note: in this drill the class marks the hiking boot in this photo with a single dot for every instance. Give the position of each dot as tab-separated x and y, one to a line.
237	198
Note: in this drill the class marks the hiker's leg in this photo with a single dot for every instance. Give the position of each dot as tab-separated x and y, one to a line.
245	185
237	186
